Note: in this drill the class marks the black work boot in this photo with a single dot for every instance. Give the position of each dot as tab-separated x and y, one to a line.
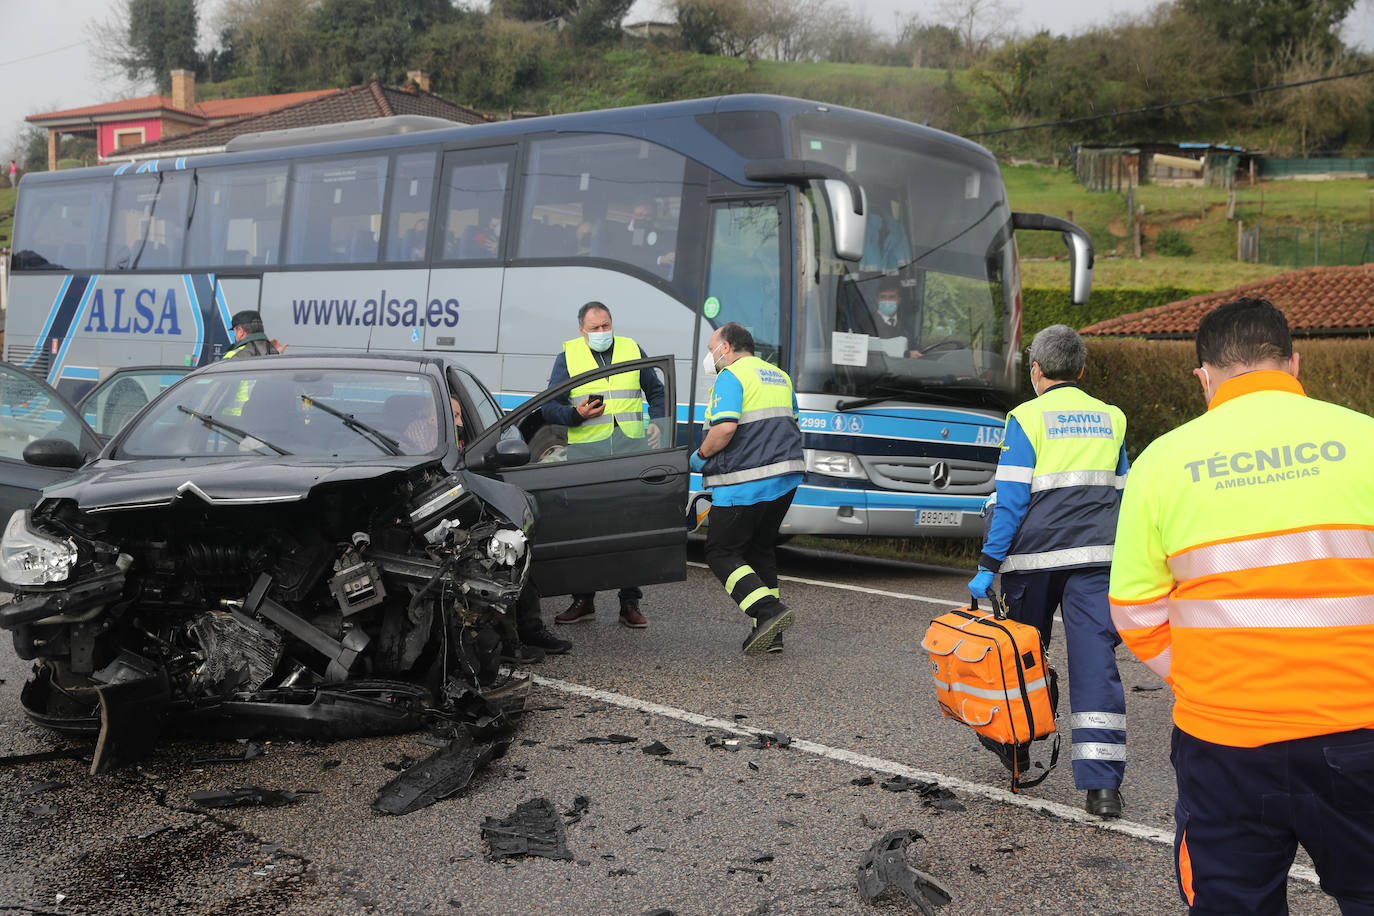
541	637
767	625
1103	802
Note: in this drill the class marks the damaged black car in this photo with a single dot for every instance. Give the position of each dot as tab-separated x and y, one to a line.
316	547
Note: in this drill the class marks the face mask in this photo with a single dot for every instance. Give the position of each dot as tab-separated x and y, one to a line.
600	341
887	307
708	363
1206	384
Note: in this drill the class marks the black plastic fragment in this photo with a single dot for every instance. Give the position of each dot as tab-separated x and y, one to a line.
657	749
244	797
884	871
66	753
609	739
862	781
438	776
579	807
533	829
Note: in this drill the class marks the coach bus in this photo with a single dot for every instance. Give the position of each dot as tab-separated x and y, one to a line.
871	258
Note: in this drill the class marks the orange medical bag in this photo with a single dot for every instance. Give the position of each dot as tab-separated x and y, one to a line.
990	674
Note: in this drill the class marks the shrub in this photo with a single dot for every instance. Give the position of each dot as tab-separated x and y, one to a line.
1044	307
1152	380
1173	244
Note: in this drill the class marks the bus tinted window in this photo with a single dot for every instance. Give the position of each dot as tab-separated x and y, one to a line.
745	276
475	184
603	197
149	226
62	226
412	186
336	211
236	216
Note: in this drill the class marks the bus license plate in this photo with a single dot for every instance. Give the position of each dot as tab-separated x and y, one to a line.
939	518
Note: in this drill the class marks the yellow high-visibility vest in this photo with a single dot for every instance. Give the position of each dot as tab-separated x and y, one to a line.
624	405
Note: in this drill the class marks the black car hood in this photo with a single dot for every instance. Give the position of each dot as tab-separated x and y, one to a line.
108	485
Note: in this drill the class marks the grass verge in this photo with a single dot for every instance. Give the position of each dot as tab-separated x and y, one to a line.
960	552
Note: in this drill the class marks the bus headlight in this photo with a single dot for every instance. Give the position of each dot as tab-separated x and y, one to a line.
30	558
834	464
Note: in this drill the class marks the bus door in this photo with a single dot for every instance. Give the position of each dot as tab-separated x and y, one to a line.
468	244
745	278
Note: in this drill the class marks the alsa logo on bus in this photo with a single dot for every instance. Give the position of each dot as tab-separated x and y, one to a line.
139	315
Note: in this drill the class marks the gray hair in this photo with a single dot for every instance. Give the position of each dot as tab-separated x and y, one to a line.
1060	352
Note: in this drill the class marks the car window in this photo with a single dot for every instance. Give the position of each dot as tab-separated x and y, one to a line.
28	412
633	418
488	411
262	411
113	402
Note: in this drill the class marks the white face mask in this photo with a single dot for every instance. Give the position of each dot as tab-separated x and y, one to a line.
708	362
600	341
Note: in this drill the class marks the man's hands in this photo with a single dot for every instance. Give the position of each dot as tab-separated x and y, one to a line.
696	462
590	410
655	435
980	586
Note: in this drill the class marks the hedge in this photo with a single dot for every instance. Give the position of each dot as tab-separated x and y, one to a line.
1042	307
1152	380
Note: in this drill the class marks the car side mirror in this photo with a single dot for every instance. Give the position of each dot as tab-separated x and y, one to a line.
507	453
53	453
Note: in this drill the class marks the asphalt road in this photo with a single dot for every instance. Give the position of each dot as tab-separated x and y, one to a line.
752	830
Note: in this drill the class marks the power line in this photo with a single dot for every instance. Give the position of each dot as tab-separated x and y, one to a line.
20	60
1167	105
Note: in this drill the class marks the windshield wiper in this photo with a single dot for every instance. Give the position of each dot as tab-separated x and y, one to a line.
220	424
916	391
375	436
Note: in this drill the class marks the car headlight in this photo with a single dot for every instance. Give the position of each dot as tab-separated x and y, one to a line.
834	464
28	557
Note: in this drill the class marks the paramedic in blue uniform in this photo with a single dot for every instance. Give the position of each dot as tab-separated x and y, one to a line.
1059	482
614	423
751	461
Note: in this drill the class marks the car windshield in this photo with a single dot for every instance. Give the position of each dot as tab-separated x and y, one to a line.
310	413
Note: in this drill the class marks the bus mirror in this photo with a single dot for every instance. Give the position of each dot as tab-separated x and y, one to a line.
1079	243
850	223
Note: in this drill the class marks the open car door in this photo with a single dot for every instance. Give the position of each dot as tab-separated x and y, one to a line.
610	509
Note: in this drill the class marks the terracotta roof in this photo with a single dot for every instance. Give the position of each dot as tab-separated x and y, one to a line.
210	109
334	106
1317	300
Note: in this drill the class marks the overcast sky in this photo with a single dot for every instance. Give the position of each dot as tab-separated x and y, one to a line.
45	56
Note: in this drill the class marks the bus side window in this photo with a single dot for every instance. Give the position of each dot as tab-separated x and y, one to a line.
336	210
236	216
412	187
604	197
148	229
473	201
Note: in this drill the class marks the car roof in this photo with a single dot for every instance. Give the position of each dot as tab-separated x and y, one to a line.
393	362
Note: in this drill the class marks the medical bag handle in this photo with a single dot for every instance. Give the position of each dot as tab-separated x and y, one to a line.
999	610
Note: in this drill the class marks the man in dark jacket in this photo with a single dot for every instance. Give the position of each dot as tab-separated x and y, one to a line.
249	337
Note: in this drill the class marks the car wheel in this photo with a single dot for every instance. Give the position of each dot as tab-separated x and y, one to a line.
550	443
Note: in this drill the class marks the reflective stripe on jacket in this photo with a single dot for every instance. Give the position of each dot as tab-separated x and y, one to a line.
1244	567
767	442
624	405
1070	520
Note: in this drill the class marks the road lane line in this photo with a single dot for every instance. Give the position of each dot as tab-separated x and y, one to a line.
867	762
942	602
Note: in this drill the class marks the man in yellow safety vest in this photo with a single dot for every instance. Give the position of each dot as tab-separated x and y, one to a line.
603	417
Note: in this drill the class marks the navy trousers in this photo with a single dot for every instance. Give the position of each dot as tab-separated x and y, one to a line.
1097	701
1242	811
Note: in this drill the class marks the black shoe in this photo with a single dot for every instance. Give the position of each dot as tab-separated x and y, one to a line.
1103	802
541	638
776	645
521	653
766	627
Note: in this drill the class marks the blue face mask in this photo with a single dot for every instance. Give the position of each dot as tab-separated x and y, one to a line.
600	341
887	307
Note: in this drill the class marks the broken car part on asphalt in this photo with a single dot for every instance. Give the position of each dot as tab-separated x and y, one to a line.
884	872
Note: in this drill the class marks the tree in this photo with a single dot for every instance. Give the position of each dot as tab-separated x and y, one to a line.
930	45
1255	29
269	43
162	38
979	23
486	61
359	40
1318	111
733	28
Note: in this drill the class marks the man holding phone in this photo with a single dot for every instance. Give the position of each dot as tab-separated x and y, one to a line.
604	417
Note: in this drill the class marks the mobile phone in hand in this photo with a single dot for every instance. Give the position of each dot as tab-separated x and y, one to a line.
595	400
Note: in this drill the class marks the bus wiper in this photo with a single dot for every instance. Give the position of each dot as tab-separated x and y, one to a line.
371	434
220	424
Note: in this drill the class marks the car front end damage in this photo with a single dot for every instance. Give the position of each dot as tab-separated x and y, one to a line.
313	605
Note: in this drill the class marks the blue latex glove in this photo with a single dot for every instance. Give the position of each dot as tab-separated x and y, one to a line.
696	462
980	586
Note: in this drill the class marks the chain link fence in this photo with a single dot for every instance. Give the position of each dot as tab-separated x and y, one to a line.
1307	246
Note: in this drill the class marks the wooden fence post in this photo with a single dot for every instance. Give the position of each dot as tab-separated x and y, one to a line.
1138	229
1240	240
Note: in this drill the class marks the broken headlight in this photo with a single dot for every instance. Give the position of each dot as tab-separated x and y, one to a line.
28	557
506	546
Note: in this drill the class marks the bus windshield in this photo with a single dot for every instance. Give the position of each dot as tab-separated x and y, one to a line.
929	313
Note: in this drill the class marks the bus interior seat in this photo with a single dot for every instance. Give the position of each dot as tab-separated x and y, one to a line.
236	257
363	247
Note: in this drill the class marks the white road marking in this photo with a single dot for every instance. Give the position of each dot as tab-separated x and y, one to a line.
942	602
867	762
